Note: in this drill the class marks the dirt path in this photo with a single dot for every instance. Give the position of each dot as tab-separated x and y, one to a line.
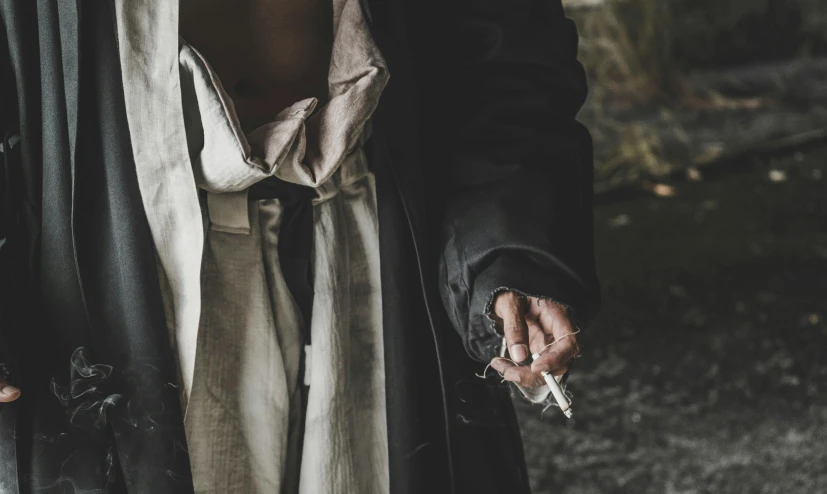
707	370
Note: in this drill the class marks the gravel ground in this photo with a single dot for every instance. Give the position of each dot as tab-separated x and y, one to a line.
706	371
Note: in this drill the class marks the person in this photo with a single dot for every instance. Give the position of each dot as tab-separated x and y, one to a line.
268	246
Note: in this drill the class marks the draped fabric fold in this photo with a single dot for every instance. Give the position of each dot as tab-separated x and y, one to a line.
148	47
248	429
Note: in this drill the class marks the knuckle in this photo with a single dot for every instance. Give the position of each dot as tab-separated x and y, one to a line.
510	324
558	359
566	346
575	347
511	335
553	307
514	328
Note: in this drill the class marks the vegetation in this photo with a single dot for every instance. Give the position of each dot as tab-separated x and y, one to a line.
641	55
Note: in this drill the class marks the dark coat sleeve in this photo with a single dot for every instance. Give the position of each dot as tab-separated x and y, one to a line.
519	212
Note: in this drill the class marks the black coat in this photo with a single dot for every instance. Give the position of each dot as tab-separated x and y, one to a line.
483	181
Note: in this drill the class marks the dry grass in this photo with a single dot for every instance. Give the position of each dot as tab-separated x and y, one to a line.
643	113
625	47
626	50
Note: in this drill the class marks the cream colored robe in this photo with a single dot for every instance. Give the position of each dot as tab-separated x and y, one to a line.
232	319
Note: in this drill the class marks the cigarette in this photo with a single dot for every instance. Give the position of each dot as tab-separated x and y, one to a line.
562	401
556	390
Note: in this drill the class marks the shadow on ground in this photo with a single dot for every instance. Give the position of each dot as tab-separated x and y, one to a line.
706	371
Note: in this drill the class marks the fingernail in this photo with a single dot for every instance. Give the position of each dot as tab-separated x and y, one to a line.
9	391
498	365
519	352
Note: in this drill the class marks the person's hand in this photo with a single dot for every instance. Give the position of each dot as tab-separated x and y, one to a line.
529	324
8	393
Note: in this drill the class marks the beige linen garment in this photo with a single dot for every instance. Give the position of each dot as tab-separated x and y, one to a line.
236	327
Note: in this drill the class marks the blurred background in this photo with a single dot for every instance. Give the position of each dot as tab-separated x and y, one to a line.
707	369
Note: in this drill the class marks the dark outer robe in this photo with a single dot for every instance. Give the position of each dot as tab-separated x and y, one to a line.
483	179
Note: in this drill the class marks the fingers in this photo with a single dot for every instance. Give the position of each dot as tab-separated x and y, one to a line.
521	375
529	321
501	364
524	376
510	307
8	393
537	336
556	358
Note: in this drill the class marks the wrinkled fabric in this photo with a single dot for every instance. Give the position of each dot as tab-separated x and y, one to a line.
148	47
442	438
99	410
244	411
245	406
519	212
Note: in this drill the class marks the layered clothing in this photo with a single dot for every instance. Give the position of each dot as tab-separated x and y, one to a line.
482	181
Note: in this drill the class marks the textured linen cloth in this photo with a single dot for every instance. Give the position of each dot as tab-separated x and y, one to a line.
240	365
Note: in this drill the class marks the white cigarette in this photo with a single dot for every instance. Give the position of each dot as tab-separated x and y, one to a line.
556	390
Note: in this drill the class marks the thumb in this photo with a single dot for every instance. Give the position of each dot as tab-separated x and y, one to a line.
8	393
511	308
